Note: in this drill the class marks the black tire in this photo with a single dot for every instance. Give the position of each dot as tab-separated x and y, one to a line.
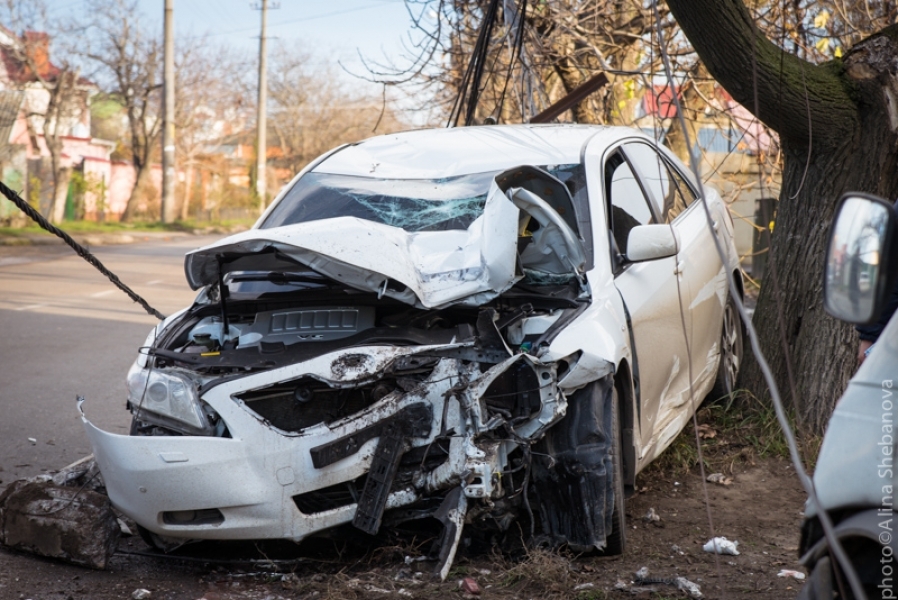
583	464
616	542
820	583
732	334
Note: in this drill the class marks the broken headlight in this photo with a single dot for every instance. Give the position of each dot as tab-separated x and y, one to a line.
166	396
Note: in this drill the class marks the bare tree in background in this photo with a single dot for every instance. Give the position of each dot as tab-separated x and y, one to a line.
560	45
210	96
312	111
56	96
129	57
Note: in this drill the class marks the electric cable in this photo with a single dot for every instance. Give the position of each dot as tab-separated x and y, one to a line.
78	248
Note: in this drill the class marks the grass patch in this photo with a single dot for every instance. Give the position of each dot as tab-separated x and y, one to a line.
733	429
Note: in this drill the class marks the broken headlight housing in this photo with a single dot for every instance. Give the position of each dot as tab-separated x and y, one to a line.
166	398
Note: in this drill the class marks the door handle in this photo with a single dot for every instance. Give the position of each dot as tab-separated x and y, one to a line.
716	225
679	269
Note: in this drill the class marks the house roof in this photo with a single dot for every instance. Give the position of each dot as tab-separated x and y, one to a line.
36	45
659	102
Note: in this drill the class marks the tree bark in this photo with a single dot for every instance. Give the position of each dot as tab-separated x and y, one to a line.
838	126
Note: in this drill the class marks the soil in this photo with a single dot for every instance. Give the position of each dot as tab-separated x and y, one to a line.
761	509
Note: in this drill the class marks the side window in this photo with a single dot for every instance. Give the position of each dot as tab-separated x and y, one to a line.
683	198
654	174
627	201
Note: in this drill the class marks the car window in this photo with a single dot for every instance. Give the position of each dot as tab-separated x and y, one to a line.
654	174
683	196
449	203
629	207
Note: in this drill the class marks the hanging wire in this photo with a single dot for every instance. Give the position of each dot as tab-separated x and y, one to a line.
78	248
470	84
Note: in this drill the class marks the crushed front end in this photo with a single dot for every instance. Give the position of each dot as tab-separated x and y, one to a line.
286	402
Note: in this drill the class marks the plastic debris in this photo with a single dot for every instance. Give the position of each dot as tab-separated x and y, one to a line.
584	586
469	586
32	440
651	516
642	573
721	545
690	588
141	594
719	478
791	573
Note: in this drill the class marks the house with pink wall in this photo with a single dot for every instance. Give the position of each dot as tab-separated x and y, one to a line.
24	155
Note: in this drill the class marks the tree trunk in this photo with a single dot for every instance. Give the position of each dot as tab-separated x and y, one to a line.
138	192
838	135
61	178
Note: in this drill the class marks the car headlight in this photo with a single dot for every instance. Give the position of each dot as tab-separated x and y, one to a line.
169	395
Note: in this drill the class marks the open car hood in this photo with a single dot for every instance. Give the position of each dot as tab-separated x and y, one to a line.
425	269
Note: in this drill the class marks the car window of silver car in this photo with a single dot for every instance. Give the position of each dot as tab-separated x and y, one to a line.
629	207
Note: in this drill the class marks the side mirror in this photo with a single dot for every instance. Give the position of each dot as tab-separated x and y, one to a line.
859	259
650	242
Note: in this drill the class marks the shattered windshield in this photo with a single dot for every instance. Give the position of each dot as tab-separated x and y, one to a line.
410	204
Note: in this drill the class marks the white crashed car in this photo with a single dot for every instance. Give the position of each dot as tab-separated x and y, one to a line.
471	324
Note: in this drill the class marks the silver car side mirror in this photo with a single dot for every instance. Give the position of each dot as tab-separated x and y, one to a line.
859	259
650	242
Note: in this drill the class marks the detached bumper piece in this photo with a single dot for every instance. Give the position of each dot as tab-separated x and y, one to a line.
412	421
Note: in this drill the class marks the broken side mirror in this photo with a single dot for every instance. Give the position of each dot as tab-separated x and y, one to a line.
859	259
650	242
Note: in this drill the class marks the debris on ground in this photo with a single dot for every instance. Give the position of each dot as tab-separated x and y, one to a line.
720	479
141	594
65	516
706	432
690	588
652	517
642	574
469	586
33	441
721	545
791	573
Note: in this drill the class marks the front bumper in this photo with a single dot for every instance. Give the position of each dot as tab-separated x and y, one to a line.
253	477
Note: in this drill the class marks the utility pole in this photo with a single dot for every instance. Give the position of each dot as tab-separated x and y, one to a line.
167	208
261	124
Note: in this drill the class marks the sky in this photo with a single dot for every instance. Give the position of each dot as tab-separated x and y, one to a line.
336	30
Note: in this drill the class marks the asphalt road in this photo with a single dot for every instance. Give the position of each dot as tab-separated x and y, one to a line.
65	331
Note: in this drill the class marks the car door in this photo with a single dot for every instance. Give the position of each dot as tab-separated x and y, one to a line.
650	293
703	284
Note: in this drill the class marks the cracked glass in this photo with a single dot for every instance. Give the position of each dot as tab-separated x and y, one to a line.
449	203
410	204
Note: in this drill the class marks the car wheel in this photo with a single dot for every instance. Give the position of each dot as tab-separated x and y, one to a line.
578	465
731	337
616	542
